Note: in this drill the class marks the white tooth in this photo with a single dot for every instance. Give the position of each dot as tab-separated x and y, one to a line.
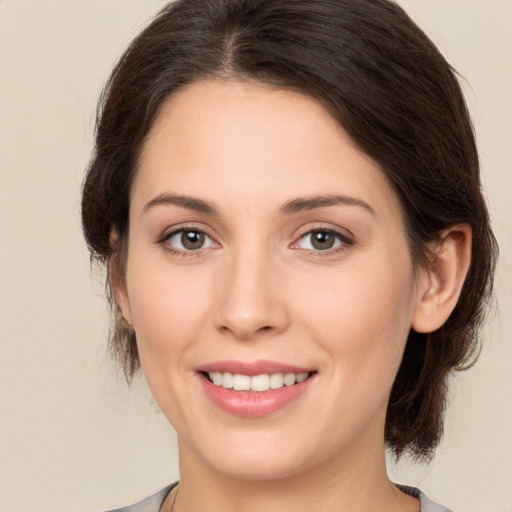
241	382
260	383
289	379
301	377
227	380
216	378
276	381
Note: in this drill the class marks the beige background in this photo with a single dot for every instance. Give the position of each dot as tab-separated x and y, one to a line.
73	437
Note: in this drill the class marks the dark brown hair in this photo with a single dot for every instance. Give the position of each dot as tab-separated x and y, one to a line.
384	82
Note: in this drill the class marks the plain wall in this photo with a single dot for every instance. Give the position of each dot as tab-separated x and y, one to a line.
73	437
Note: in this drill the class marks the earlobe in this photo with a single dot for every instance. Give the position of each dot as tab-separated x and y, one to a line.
441	283
117	281
122	304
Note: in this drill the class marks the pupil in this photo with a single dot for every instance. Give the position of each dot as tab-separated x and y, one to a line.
323	240
192	240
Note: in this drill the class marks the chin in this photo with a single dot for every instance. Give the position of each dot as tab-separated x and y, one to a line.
249	455
261	466
273	458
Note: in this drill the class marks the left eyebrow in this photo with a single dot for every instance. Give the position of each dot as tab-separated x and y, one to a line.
301	204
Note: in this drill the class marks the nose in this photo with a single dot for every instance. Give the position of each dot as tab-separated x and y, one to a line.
251	297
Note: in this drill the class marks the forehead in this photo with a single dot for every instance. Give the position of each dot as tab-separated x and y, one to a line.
220	139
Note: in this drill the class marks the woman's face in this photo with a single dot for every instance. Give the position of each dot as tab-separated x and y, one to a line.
264	244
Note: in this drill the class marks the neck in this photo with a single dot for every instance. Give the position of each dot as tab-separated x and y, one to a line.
354	481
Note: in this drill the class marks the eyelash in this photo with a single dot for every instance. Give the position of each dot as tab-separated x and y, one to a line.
164	242
345	240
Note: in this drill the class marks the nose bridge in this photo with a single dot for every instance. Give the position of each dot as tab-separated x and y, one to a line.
251	300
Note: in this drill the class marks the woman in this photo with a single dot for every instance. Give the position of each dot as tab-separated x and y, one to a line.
286	195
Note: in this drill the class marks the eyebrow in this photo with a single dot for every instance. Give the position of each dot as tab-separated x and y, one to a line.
305	203
190	202
297	205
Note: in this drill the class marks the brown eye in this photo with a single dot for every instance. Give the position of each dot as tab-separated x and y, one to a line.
187	240
192	240
323	240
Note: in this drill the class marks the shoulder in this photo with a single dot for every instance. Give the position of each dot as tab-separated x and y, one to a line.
427	505
150	504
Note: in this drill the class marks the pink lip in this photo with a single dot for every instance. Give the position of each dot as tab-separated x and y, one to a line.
252	404
252	368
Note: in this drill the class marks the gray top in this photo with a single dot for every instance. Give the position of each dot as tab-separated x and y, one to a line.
154	502
427	505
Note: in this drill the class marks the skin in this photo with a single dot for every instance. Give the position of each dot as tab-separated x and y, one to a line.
258	289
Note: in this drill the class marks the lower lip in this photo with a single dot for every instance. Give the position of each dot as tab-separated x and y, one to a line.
253	404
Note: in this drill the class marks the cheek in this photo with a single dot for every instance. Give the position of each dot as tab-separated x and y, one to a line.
168	309
362	318
362	327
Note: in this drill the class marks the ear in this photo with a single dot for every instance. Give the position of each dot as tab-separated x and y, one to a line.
440	284
117	279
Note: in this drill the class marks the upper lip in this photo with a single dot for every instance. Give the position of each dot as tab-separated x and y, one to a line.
252	368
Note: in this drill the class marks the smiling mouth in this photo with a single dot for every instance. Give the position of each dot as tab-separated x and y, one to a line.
256	383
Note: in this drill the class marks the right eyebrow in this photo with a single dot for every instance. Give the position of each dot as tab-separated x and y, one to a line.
190	202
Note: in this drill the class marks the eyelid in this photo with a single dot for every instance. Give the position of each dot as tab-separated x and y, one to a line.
167	234
346	238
